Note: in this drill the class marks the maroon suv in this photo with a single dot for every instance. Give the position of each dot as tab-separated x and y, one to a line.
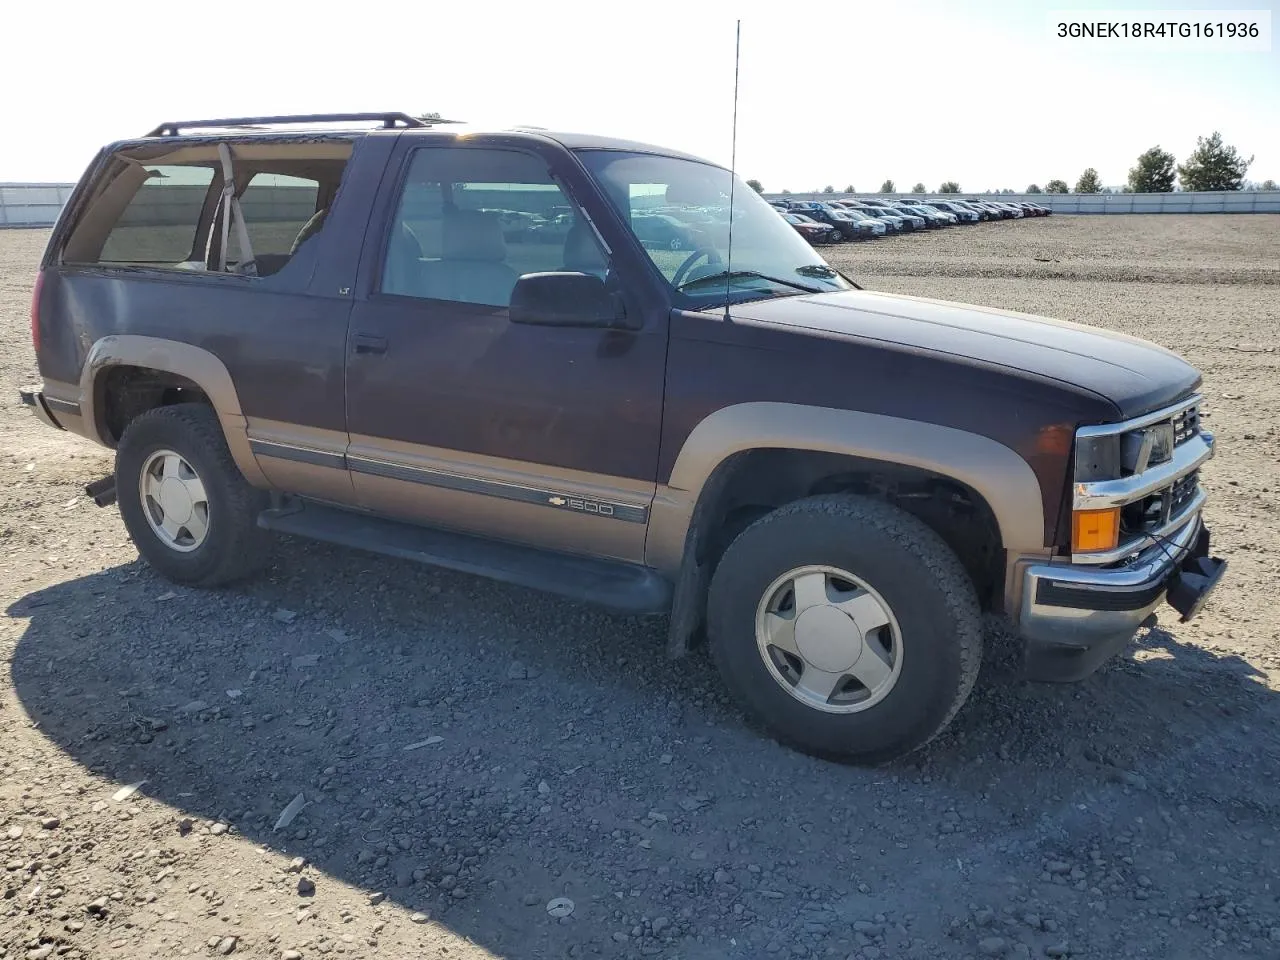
451	345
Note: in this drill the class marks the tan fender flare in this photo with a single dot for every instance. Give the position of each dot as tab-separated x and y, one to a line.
185	360
995	471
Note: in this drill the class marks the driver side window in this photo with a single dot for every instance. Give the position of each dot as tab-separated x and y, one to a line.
471	221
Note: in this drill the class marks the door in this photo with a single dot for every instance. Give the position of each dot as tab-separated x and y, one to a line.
462	419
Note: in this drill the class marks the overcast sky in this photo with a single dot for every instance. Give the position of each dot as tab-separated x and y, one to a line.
830	92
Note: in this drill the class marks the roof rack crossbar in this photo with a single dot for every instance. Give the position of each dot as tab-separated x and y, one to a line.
389	120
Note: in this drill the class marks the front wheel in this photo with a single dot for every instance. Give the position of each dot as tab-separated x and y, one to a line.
187	508
846	626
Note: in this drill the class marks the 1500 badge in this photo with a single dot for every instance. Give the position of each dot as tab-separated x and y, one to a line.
584	506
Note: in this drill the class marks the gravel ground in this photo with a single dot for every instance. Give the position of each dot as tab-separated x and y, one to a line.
468	753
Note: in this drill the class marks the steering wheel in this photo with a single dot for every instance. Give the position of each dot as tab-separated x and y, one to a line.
713	260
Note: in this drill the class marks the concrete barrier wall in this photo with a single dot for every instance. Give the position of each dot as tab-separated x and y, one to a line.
32	204
38	204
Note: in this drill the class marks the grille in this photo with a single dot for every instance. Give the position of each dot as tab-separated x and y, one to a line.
1186	425
1182	491
1144	516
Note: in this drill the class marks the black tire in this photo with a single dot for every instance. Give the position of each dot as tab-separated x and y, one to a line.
919	577
234	545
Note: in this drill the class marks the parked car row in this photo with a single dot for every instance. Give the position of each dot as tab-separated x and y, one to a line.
864	218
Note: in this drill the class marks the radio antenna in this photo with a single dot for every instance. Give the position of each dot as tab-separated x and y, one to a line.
733	166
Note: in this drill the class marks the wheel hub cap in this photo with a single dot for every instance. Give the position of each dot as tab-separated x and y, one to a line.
175	501
828	639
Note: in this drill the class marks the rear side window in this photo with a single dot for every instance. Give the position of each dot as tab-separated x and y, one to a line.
276	207
162	206
159	224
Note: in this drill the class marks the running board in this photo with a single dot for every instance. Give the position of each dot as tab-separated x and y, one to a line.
621	587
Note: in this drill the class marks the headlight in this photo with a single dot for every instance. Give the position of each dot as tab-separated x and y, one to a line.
1135	480
1146	447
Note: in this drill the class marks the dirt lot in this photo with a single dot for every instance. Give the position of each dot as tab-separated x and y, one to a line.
558	754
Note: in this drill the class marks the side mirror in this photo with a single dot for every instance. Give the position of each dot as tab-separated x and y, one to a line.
565	300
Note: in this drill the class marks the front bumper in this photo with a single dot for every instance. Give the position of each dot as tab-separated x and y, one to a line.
1074	617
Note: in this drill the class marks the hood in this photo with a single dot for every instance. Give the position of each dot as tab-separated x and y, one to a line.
1135	375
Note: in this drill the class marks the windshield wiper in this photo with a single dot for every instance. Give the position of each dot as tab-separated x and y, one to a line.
725	275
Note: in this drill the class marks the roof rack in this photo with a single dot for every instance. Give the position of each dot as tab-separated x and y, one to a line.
389	121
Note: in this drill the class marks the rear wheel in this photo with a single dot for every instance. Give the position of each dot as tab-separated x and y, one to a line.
185	504
846	626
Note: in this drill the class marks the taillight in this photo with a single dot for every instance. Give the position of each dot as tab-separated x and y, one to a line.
35	311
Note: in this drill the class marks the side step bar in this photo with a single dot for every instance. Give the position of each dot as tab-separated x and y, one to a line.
621	587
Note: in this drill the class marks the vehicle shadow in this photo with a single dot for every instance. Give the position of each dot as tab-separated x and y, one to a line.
574	759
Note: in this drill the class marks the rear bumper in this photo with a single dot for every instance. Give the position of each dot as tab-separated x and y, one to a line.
34	398
1075	617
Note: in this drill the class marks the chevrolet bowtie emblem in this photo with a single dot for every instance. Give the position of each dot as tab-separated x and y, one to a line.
558	501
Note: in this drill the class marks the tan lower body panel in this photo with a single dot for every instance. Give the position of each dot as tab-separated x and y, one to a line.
668	526
308	461
535	504
63	400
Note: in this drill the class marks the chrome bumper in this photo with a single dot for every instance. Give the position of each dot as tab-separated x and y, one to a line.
1073	617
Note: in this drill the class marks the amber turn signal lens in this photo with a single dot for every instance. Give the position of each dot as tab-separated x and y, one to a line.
1095	530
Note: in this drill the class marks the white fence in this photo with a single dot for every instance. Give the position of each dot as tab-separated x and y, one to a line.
32	204
1225	201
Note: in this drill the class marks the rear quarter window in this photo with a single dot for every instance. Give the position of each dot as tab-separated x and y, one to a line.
163	206
159	224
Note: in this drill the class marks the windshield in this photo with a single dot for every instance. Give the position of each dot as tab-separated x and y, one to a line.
770	259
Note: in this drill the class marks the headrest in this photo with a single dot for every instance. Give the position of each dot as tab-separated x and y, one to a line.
473	235
582	250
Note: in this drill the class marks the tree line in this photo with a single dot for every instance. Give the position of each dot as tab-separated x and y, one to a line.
1213	165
